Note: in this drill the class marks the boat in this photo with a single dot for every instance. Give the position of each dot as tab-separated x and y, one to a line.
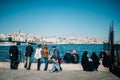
6	43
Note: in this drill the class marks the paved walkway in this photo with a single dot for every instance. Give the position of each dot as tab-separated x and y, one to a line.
21	74
70	72
64	66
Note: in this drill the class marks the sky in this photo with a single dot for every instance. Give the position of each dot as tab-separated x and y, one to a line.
60	18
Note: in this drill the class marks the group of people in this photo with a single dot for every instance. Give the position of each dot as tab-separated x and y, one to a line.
88	63
92	63
71	58
39	53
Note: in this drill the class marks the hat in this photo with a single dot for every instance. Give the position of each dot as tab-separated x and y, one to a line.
67	51
74	51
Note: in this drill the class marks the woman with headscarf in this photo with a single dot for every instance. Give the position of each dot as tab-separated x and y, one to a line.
87	63
105	62
95	60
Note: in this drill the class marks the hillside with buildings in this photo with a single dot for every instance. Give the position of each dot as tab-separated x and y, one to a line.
23	37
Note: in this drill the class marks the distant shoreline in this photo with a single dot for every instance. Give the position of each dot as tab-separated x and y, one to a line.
11	43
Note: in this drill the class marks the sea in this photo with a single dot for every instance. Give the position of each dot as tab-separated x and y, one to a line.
62	48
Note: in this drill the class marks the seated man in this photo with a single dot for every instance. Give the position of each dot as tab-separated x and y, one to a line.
67	57
75	57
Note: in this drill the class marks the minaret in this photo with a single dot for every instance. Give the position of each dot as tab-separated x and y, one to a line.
18	30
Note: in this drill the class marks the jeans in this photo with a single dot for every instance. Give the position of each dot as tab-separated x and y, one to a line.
27	62
38	64
55	66
46	63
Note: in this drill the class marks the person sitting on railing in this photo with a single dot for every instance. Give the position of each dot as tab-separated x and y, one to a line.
75	57
67	57
105	62
86	62
95	59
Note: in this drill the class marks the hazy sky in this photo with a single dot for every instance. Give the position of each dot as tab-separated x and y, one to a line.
86	18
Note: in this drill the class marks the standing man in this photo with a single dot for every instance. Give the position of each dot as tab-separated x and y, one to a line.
13	51
56	58
29	51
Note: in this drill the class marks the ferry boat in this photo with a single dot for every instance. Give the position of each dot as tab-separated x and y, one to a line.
6	43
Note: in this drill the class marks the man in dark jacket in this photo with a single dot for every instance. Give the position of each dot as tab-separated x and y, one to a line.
29	51
55	58
13	51
75	57
68	57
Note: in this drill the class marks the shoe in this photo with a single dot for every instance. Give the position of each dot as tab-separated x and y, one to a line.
50	71
45	69
28	69
25	67
38	69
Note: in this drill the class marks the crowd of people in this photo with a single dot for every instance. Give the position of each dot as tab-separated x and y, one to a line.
88	63
39	53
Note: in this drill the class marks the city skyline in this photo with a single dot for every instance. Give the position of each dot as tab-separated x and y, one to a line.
86	18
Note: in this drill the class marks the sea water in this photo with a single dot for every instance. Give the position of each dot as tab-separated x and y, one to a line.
62	48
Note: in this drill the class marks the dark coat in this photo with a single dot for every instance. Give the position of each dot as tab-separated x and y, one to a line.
67	58
29	51
95	59
86	64
75	58
84	61
14	51
56	55
106	62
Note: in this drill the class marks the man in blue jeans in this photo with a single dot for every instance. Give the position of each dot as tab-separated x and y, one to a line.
29	51
55	58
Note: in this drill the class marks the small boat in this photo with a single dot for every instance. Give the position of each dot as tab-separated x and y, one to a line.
6	43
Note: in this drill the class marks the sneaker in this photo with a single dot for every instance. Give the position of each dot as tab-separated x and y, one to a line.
28	69
50	71
25	67
38	69
45	69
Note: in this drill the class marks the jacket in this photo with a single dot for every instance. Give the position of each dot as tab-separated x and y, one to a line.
45	53
14	51
29	51
56	55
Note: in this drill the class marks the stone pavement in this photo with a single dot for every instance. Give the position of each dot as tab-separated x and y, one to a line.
70	72
64	66
22	74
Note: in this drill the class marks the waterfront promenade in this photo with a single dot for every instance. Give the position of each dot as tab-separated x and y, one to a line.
70	72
